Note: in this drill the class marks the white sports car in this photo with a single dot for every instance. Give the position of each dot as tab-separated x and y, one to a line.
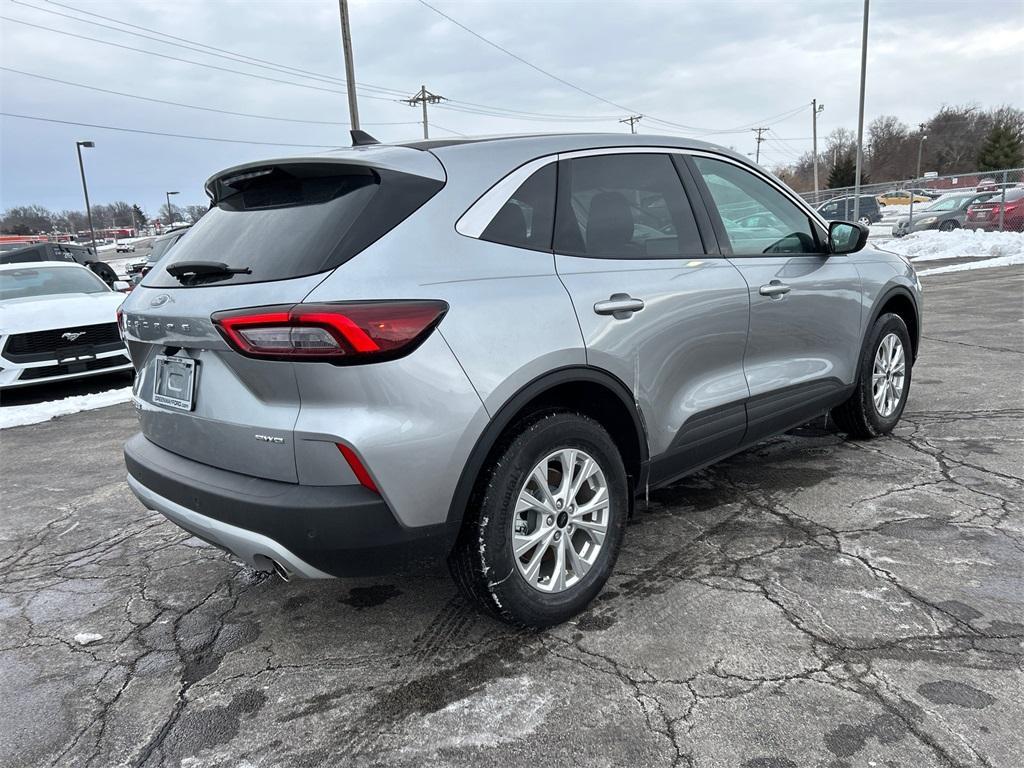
58	321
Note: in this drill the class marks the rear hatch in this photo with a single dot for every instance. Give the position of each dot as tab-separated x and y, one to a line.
275	230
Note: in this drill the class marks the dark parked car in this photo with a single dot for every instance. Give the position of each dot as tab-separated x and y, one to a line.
947	213
986	215
841	209
80	254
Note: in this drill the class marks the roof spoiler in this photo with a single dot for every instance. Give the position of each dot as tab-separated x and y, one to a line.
362	138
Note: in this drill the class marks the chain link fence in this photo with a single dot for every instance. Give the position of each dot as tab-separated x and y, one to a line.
1001	208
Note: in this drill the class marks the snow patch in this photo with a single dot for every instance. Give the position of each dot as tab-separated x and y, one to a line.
34	413
1002	261
85	638
506	710
933	245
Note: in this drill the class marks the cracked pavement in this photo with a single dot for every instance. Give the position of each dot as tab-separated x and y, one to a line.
813	601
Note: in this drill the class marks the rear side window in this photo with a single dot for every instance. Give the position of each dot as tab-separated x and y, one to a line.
294	220
624	206
527	219
758	218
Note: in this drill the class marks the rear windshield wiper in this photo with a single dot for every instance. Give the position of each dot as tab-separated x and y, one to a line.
196	272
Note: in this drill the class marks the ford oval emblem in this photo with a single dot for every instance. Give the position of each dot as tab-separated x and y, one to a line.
159	301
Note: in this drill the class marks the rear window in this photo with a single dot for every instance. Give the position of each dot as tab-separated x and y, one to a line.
294	220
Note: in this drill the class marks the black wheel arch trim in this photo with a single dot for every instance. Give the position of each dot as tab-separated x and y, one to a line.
881	301
514	405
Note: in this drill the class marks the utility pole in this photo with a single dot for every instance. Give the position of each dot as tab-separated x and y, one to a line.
424	97
632	120
816	108
85	189
760	138
860	115
350	72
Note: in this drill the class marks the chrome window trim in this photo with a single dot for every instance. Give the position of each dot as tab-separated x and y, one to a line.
475	219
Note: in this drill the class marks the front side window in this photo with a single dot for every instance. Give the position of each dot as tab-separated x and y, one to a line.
628	206
758	219
528	217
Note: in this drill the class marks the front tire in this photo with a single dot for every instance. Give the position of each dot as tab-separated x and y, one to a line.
948	226
548	521
883	381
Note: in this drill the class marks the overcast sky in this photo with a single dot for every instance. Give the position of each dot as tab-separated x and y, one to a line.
712	66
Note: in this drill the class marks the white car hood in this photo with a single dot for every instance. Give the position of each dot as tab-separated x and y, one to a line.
44	313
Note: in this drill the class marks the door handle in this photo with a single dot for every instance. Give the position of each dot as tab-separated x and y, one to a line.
776	289
619	305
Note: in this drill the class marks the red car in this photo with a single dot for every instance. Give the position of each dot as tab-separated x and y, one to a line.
986	215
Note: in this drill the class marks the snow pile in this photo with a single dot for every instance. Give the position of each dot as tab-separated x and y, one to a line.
85	638
895	211
20	415
1002	261
932	245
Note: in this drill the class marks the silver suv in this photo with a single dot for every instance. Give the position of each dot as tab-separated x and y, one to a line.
486	349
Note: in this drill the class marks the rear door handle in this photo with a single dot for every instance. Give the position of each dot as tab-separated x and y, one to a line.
619	305
776	289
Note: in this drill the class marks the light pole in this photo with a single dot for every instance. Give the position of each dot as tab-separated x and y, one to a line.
860	114
170	212
920	146
816	109
350	73
85	189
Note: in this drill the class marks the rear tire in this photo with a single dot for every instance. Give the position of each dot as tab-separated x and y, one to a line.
883	381
584	510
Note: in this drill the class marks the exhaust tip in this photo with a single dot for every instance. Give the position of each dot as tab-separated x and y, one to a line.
266	564
281	571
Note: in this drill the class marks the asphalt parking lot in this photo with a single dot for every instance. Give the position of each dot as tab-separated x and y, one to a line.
811	602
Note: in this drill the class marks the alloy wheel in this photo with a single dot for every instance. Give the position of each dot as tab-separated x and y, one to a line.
888	375
560	521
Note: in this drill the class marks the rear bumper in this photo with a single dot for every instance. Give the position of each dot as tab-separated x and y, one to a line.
311	531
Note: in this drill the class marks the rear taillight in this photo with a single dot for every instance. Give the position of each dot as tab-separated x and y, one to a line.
343	334
120	322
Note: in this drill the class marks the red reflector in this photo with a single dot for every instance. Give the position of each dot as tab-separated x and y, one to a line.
357	467
358	332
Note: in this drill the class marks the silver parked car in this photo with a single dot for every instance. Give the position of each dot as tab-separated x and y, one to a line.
486	349
947	213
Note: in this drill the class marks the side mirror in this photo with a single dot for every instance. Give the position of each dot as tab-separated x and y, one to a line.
846	237
123	286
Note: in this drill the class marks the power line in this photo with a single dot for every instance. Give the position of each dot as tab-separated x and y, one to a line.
473	107
566	82
162	133
204	64
272	65
449	130
189	106
183	42
521	59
